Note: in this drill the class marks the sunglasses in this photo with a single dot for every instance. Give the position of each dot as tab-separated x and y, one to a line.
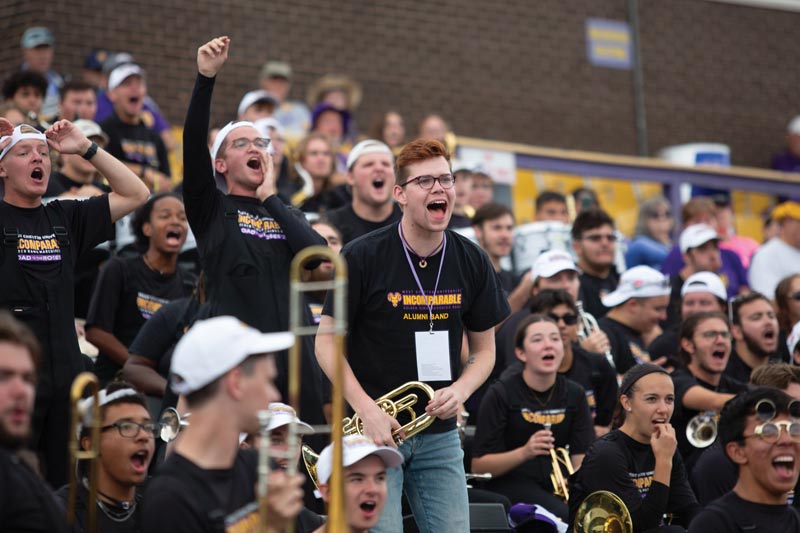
770	431
570	319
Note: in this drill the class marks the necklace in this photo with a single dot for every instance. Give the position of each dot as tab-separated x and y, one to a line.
547	400
423	261
151	267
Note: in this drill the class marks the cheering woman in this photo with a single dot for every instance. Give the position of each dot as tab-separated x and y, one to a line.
524	415
639	461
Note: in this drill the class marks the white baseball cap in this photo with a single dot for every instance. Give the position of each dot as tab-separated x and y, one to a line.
214	346
794	126
122	73
253	97
705	282
551	263
638	282
263	125
369	146
792	340
697	235
281	415
21	133
355	448
91	129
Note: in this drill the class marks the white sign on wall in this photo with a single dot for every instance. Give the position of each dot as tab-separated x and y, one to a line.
500	165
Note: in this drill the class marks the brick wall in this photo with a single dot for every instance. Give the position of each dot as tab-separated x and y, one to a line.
514	70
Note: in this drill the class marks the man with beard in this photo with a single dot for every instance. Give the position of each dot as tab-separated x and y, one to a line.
755	330
595	242
371	177
26	503
701	385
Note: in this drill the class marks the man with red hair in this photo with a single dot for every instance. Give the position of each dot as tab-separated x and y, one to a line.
406	323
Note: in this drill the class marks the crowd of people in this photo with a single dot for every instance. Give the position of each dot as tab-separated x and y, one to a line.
669	378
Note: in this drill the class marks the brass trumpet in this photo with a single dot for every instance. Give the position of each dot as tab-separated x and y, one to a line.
394	408
603	512
587	326
559	456
701	431
81	382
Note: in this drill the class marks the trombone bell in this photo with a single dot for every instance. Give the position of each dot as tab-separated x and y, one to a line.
701	431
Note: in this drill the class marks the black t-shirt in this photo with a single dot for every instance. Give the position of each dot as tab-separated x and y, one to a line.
626	344
667	345
158	336
59	184
507	280
593	289
738	369
459	221
732	514
504	340
619	464
136	143
386	309
115	519
127	294
351	226
183	497
26	503
511	412
592	372
684	380
713	474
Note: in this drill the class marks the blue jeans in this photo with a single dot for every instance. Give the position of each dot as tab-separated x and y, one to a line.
432	477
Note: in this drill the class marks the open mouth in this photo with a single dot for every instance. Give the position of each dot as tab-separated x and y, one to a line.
784	465
134	99
438	207
37	174
548	357
658	421
139	460
378	183
174	237
368	506
718	354
254	163
769	334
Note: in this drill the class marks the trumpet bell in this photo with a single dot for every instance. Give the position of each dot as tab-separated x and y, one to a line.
701	431
603	512
310	459
171	424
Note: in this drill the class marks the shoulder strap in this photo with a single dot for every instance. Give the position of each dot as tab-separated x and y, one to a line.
10	237
60	231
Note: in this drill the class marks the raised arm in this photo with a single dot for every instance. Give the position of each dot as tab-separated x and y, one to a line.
128	191
198	180
299	233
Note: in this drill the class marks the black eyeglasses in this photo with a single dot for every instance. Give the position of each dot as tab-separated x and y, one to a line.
570	319
130	429
660	215
597	237
712	335
426	182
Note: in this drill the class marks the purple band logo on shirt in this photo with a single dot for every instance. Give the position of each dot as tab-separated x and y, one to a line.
38	249
642	481
262	227
149	304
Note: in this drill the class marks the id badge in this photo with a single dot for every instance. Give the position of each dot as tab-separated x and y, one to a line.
433	356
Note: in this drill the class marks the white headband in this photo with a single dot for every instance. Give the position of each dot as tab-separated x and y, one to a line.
370	146
21	133
86	405
229	127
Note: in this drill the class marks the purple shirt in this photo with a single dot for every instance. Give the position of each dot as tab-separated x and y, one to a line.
786	162
151	116
732	273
